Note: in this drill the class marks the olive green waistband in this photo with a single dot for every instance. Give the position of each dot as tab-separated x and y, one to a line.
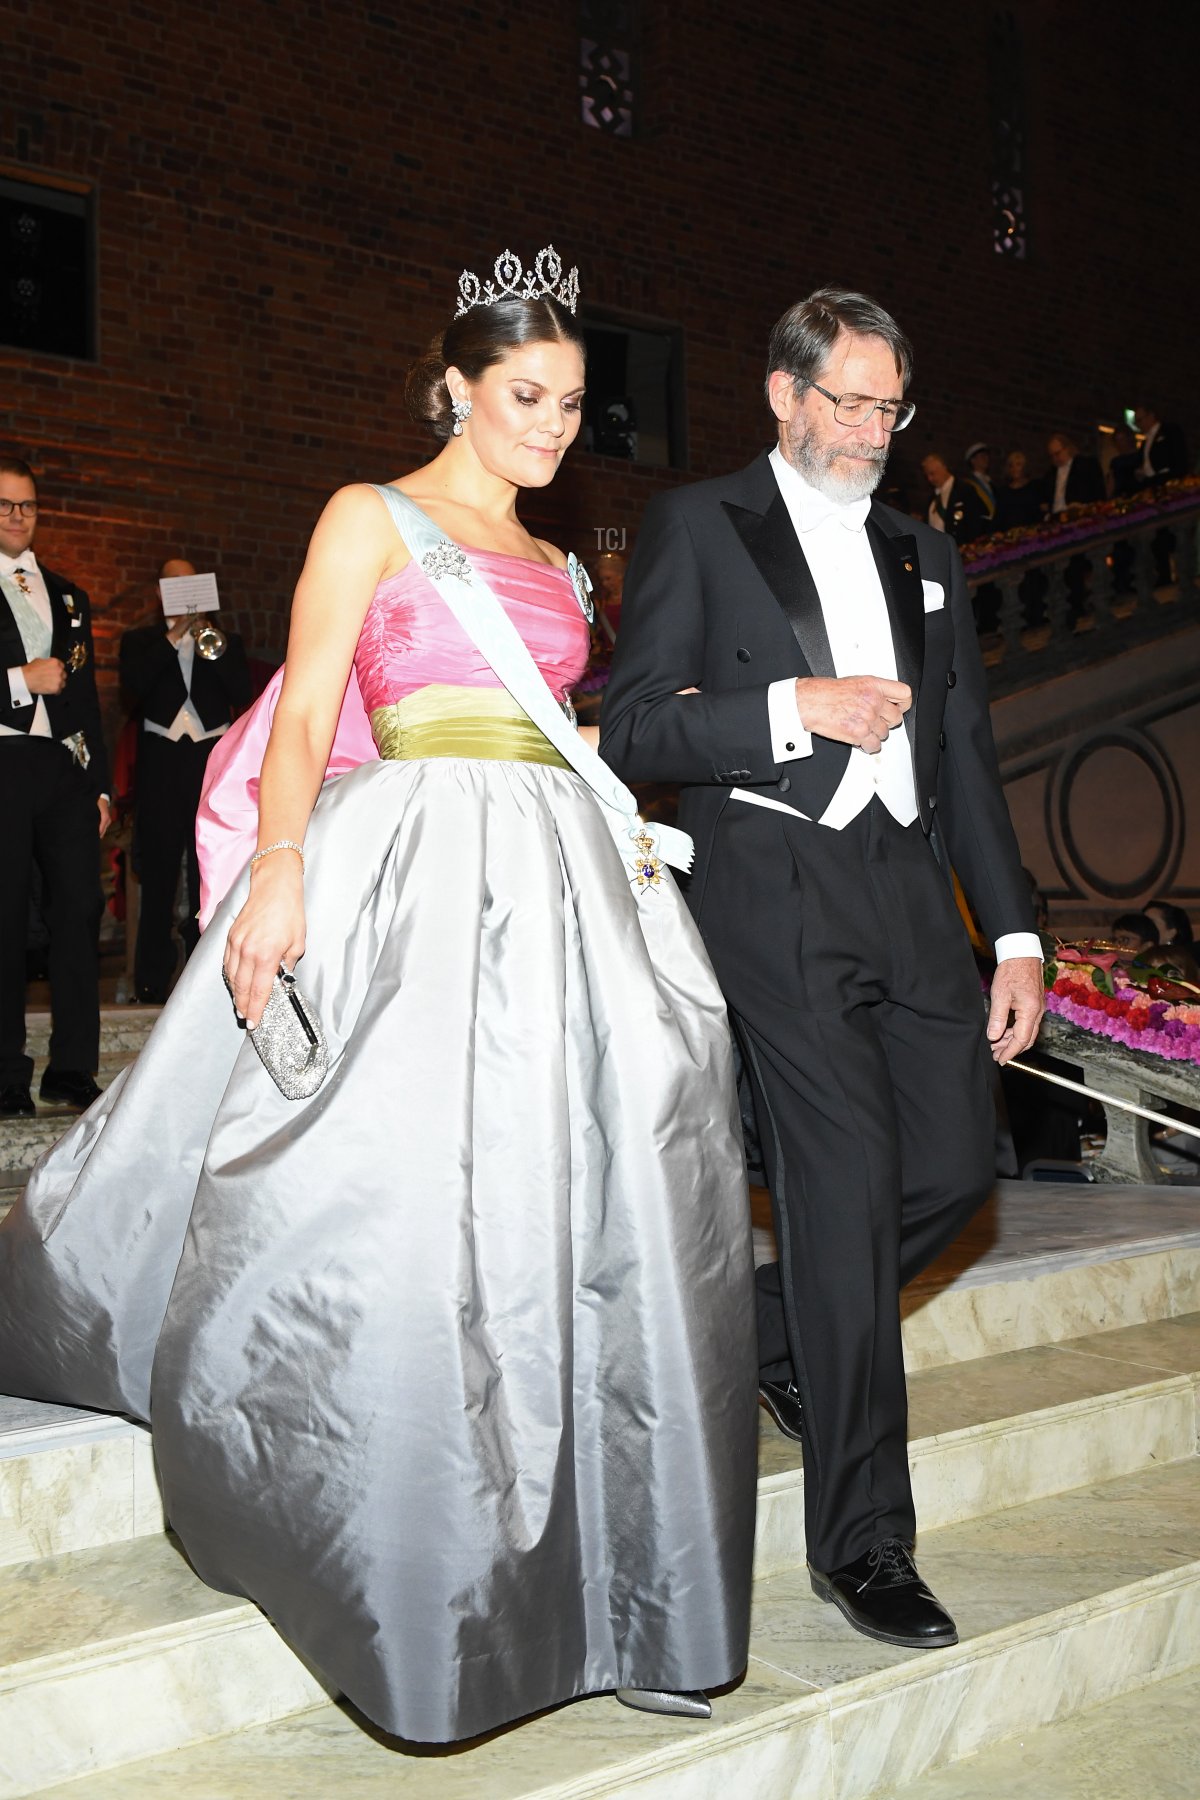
439	720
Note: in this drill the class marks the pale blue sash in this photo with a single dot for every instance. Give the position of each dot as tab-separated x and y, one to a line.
36	633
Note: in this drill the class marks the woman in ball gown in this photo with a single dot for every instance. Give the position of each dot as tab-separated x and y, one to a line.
450	1366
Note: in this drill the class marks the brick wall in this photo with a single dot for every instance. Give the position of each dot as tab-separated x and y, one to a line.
287	192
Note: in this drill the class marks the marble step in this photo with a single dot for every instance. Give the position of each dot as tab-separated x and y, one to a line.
1144	1745
111	1654
72	1480
1062	1604
1043	1262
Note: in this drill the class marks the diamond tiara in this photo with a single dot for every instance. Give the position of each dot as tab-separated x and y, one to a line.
513	282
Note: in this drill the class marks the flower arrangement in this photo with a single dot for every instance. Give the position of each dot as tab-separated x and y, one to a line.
1091	985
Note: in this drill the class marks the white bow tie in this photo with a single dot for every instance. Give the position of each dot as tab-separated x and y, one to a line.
816	508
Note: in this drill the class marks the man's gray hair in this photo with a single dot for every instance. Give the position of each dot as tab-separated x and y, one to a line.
802	340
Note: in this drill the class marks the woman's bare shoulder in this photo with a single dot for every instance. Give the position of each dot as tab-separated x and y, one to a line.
356	520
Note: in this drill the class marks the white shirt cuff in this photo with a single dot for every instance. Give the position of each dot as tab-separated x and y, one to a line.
1017	943
18	691
789	740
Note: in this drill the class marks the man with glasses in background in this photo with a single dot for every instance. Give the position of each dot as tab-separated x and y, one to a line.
53	805
803	660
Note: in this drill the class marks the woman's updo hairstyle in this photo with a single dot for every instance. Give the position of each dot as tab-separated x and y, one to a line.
482	336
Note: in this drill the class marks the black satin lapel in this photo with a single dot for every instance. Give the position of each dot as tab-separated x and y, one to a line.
771	539
900	573
60	621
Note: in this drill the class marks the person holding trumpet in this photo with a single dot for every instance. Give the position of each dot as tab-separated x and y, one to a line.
186	680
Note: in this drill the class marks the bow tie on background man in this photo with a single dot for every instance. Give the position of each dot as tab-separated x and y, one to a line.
816	508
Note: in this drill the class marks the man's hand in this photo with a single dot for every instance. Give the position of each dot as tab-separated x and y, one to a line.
855	709
1017	990
105	811
45	675
179	628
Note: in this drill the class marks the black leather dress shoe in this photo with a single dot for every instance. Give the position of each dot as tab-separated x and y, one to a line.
69	1087
690	1705
782	1401
15	1102
884	1597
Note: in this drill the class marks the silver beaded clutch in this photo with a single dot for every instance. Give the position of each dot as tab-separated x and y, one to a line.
289	1039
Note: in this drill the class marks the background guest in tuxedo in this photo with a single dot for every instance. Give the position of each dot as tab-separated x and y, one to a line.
1164	448
1020	499
184	701
807	616
978	460
957	506
1123	469
53	804
1074	480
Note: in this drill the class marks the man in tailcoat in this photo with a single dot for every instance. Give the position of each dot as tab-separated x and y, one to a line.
53	803
1164	454
835	761
184	702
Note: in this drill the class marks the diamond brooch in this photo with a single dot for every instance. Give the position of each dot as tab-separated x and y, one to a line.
581	581
446	559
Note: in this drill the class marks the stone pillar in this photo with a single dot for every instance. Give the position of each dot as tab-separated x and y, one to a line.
1126	1155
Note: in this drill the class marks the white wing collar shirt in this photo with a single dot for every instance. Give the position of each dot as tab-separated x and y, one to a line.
838	552
36	625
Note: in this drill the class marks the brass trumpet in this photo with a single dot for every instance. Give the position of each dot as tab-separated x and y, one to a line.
211	642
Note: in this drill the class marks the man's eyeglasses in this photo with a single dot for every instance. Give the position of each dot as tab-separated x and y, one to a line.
856	409
27	508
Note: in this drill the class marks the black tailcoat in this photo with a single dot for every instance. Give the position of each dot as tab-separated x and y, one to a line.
847	969
152	680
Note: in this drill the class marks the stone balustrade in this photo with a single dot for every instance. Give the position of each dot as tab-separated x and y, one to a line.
1127	1074
1055	599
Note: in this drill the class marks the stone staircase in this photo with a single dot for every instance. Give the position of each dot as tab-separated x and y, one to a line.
1055	1361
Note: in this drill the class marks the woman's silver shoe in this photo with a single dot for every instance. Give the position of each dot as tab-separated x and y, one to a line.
692	1705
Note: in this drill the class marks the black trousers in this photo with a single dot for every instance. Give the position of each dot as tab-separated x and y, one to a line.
169	778
856	1002
48	815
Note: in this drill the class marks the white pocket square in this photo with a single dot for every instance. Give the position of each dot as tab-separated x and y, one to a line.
935	595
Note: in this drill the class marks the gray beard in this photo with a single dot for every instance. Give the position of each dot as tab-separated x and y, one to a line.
829	470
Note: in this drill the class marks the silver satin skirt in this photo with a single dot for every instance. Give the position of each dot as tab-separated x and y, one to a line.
451	1367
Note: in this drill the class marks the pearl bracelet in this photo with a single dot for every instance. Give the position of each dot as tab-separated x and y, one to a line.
283	844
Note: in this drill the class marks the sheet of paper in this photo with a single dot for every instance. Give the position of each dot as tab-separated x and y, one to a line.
187	594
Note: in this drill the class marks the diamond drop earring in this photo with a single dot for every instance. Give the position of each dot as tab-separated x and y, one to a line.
461	410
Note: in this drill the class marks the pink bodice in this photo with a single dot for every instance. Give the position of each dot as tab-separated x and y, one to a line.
410	639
